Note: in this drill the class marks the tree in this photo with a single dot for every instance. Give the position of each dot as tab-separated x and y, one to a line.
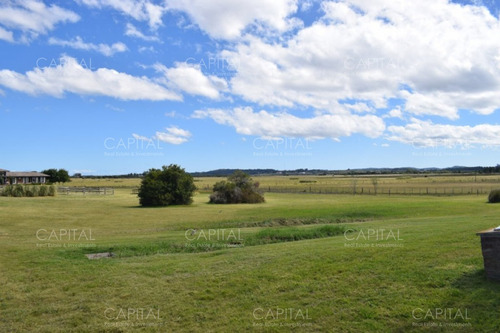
239	188
167	186
62	176
52	173
57	176
375	184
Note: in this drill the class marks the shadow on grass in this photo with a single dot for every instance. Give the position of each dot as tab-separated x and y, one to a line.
160	207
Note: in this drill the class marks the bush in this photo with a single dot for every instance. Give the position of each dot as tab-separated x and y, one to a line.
43	191
169	186
27	190
31	191
52	191
7	191
494	196
239	188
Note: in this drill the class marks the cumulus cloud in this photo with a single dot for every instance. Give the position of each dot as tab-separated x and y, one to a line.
228	18
445	55
190	79
78	43
32	18
172	135
421	133
6	35
132	31
140	10
71	77
266	124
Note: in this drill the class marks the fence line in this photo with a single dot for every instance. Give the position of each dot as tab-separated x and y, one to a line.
435	191
66	190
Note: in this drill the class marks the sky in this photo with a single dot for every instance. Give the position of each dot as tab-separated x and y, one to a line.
119	86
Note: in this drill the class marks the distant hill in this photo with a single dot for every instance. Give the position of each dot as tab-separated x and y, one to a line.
319	172
365	171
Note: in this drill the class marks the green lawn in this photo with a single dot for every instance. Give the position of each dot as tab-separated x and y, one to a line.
404	263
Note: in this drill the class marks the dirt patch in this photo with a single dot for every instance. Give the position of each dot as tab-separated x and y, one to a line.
94	256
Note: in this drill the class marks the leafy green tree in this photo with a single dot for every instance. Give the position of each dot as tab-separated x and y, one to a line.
62	176
57	176
239	188
52	173
170	185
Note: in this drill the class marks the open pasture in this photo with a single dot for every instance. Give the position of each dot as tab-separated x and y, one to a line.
403	265
431	184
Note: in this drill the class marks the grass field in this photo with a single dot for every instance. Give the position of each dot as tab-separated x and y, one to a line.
357	264
439	184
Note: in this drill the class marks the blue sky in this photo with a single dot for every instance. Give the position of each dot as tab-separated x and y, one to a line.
119	86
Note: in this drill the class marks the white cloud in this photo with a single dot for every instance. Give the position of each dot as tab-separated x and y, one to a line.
87	171
6	35
140	10
427	134
132	31
140	137
266	124
78	43
228	18
71	77
32	17
190	79
172	135
114	108
305	5
445	55
394	113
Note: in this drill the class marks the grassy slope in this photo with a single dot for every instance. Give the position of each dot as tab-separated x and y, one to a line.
349	289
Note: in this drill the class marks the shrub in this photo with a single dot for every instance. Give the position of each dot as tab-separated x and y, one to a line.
169	186
494	196
43	191
7	191
239	188
51	191
27	191
18	191
31	191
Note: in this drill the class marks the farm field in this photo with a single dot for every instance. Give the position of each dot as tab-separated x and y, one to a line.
449	184
404	263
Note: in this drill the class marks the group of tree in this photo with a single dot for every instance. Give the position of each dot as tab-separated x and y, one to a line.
166	186
172	185
239	188
57	176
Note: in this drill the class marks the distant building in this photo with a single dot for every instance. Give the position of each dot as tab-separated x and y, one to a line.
15	177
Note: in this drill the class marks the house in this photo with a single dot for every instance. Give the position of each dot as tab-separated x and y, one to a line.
15	177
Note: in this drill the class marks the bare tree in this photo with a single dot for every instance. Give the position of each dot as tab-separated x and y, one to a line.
375	184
